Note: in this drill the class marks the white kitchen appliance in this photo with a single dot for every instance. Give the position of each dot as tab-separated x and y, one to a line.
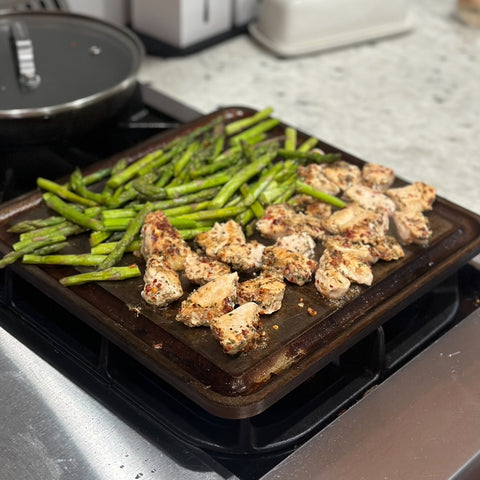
299	27
183	24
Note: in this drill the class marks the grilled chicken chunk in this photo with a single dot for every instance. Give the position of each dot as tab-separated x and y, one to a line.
348	264
244	257
417	197
266	291
160	237
342	174
227	243
201	269
162	283
377	176
239	330
412	227
209	301
220	235
370	199
293	266
281	220
357	224
342	244
331	283
301	243
313	175
310	206
386	248
277	221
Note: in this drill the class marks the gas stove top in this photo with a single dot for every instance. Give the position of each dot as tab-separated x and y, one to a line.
249	447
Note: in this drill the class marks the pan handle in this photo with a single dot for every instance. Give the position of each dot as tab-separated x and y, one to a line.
23	45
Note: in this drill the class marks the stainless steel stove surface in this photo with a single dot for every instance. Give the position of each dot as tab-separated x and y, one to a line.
65	416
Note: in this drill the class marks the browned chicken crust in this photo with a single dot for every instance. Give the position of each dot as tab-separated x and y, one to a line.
239	330
160	237
161	283
377	176
209	301
266	291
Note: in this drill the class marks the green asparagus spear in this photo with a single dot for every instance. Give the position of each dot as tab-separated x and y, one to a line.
125	175
79	259
63	192
244	175
307	145
310	156
201	184
132	230
71	213
324	197
108	274
29	225
290	139
14	255
108	247
214	214
261	127
243	123
77	184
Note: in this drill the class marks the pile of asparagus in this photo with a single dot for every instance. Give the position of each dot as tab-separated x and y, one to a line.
217	172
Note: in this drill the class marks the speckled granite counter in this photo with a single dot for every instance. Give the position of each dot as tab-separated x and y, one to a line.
411	102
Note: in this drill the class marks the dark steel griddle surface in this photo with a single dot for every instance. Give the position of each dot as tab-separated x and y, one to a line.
192	361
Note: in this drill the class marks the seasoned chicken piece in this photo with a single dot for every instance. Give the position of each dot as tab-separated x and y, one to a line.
342	173
318	209
220	235
387	248
370	199
293	266
348	264
162	283
277	221
310	206
160	237
377	176
266	291
310	224
244	257
412	227
417	197
209	301
330	283
357	224
342	244
201	269
314	176
239	330
298	242
280	220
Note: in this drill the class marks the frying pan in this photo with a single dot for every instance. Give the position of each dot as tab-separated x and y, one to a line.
62	74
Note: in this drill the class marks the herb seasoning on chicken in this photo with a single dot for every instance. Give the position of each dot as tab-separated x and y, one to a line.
209	301
239	330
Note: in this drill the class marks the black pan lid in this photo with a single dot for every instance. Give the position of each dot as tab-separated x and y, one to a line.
78	60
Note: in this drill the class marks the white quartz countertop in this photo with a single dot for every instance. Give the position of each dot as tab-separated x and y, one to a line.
411	102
